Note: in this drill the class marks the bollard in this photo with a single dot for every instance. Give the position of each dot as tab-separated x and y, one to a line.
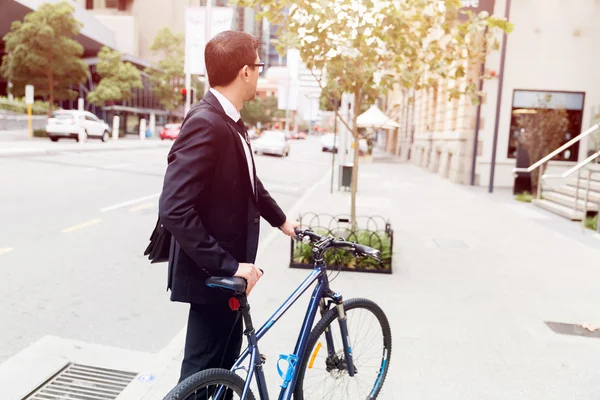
115	128
142	129
152	124
81	135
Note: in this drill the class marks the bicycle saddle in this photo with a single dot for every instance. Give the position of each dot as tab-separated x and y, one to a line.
237	284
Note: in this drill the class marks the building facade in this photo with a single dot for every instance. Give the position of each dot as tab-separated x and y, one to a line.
550	52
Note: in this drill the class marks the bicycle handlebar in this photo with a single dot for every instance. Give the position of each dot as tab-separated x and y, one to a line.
357	249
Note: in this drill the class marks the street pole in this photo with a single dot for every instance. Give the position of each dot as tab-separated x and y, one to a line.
333	151
208	37
499	100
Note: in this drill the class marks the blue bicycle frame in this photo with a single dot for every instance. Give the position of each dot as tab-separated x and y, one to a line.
317	301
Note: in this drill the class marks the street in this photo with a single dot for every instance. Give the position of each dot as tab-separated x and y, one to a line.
72	259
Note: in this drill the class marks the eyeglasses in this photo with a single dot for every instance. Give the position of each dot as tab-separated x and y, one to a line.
260	65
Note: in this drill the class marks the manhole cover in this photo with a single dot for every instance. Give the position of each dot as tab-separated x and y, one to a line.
574	330
83	382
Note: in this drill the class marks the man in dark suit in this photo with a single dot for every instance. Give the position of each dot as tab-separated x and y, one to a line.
212	202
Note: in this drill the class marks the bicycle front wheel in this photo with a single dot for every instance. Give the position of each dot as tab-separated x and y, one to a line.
217	384
324	373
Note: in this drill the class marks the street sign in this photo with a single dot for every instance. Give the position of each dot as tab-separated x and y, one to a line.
29	94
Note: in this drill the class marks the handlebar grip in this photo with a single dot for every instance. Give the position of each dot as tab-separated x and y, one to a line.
368	251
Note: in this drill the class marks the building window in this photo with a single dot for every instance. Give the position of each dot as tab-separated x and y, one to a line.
529	102
89	4
111	3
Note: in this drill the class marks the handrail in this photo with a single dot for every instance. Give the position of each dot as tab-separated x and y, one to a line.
553	154
559	150
574	169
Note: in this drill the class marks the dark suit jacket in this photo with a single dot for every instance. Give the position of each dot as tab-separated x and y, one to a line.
208	205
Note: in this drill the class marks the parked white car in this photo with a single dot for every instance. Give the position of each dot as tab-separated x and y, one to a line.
69	123
272	142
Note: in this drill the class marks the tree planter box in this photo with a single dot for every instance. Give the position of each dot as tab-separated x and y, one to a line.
374	232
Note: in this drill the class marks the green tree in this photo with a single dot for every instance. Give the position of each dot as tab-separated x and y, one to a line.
167	74
542	132
370	45
41	51
118	78
261	110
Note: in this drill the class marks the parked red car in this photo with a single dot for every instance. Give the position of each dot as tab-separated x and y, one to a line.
299	136
170	131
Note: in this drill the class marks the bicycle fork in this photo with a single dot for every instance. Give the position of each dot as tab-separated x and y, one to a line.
339	304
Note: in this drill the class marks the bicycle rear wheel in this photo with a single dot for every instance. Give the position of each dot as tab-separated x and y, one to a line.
324	373
213	384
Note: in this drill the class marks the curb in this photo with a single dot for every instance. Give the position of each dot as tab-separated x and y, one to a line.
37	151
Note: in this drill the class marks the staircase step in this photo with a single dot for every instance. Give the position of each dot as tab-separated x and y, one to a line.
594	185
593	197
569	201
559	209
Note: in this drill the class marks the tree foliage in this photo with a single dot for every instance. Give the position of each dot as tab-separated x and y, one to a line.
41	51
369	45
542	132
261	110
167	74
118	78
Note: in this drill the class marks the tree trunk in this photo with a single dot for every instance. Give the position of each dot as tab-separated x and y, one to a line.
51	93
354	186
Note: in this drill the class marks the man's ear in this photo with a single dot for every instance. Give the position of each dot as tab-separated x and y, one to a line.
244	73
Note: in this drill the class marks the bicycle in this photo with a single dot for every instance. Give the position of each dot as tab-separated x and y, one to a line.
223	384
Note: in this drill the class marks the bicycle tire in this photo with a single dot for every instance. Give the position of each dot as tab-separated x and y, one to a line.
207	378
331	316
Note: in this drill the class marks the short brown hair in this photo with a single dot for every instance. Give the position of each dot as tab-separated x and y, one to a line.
226	54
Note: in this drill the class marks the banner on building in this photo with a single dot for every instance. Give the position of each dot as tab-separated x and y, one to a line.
221	19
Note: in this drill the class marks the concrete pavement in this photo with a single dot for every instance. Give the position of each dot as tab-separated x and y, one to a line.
475	279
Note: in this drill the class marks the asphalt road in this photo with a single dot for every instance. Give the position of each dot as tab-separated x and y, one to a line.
74	227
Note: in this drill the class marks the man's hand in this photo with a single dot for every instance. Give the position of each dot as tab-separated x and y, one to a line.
288	227
250	273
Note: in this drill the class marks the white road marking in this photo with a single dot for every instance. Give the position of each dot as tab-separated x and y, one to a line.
141	207
81	226
130	202
5	250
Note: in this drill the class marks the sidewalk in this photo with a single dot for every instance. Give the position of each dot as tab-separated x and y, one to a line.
43	146
475	279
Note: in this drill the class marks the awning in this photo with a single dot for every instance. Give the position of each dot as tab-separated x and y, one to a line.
375	118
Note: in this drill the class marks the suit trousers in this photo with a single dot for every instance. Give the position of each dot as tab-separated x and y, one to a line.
213	339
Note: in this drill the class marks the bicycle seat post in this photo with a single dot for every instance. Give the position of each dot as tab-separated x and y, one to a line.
245	310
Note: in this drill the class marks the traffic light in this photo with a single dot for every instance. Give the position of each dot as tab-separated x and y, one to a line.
183	92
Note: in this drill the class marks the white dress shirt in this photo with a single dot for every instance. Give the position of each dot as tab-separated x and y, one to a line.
234	114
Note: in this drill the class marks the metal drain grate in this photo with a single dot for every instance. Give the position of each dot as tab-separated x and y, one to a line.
83	382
